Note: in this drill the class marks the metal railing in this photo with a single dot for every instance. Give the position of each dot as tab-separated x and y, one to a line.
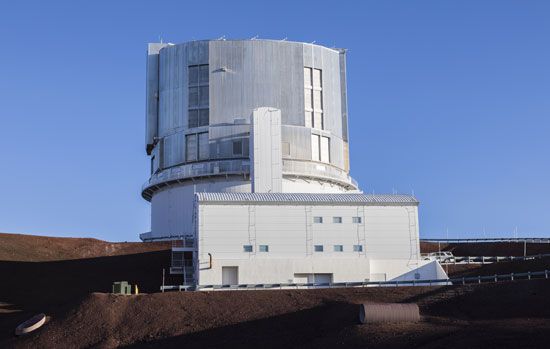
474	240
186	242
486	259
192	170
429	282
317	170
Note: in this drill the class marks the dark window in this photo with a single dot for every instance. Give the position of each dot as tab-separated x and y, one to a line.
238	147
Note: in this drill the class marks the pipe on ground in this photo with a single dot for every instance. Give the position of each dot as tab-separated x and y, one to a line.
388	312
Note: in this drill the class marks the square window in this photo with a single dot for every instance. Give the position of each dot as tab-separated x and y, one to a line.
317	78
193	97
204	117
357	220
317	100
193	118
247	248
317	219
238	147
318	248
193	75
307	76
336	219
285	149
338	248
203	96
264	248
318	120
357	248
203	74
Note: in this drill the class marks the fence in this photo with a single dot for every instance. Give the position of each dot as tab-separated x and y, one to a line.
433	282
443	260
458	241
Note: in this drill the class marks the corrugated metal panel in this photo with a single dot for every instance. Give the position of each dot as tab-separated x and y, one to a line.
309	198
174	149
152	91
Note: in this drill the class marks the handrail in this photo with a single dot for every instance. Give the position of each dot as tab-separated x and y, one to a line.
483	259
425	282
474	240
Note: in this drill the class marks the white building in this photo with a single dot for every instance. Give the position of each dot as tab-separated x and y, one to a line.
250	170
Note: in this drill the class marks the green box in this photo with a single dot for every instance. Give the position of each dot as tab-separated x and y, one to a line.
122	287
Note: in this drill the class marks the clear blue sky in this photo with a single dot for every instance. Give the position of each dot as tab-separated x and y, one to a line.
450	99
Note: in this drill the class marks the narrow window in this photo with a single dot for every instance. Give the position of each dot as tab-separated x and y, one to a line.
318	248
317	219
152	164
198	96
338	248
336	219
238	147
247	248
264	248
204	150
357	248
313	98
356	219
325	149
315	155
191	147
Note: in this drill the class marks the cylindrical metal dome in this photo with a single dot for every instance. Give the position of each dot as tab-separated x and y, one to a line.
200	96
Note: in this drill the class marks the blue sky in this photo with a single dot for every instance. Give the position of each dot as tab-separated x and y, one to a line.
449	99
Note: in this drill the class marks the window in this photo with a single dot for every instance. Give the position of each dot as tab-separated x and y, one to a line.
247	248
317	219
198	101
238	147
196	147
325	149
315	155
152	164
313	98
320	148
356	219
264	248
338	248
318	248
336	219
357	248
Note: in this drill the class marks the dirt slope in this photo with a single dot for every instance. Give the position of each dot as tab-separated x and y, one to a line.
299	318
69	279
33	248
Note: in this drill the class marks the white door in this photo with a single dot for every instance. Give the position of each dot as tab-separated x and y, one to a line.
230	275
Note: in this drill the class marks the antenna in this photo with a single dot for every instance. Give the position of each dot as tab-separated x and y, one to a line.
221	38
284	39
314	41
160	39
254	37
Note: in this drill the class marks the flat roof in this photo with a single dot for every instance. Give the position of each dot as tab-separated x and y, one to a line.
311	199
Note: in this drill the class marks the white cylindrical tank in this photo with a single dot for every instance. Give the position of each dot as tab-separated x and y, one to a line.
200	97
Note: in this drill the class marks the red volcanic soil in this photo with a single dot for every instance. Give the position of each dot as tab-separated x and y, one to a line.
74	293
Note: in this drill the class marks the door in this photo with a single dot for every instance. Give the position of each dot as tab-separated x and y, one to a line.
230	275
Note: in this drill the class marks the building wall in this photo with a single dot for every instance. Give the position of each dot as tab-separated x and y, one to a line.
384	232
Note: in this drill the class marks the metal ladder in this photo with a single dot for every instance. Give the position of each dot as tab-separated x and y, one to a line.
252	228
413	236
309	231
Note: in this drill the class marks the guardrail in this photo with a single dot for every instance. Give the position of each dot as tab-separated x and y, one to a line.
474	240
482	259
433	282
